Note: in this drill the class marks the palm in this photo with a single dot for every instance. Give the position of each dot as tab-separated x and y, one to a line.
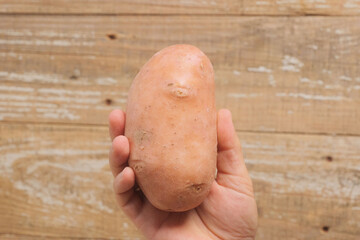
229	211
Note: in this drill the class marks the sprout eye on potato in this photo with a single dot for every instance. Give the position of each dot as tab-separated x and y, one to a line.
171	127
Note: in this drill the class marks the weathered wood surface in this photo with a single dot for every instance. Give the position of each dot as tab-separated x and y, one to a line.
238	7
271	72
64	65
55	182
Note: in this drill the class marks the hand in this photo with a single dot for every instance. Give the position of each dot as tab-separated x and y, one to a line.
229	211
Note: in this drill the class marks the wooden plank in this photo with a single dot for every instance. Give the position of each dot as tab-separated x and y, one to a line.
238	7
275	74
304	185
55	182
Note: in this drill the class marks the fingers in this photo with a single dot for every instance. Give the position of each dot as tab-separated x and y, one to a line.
119	154
124	180
128	200
229	150
116	123
231	167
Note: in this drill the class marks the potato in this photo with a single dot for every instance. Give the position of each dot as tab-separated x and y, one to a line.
171	127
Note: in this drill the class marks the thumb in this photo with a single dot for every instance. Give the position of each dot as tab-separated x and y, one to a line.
231	167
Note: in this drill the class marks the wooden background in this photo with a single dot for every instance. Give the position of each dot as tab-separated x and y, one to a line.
287	69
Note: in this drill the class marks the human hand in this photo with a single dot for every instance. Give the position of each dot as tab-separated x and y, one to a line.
228	212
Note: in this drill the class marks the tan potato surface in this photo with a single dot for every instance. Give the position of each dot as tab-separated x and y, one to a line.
171	127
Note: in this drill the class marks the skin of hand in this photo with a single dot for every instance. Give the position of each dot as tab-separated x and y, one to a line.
228	212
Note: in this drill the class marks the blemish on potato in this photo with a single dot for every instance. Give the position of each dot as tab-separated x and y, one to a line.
180	92
142	135
138	167
197	187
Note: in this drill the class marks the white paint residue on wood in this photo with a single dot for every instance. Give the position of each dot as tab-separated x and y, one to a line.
314	47
83	165
327	71
291	64
357	87
322	183
214	3
9	158
4	116
311	97
13	97
339	31
236	72
32	77
17	33
35	188
62	92
273	162
337	86
243	95
16	89
90	57
59	43
9	54
53	34
322	6
69	99
315	1
47	34
272	81
353	4
261	146
345	78
19	109
260	69
29	104
106	81
262	3
48	194
311	82
57	113
280	2
90	199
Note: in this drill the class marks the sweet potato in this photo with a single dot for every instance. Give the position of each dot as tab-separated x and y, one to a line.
171	127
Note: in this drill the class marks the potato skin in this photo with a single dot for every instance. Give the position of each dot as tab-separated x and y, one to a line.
171	127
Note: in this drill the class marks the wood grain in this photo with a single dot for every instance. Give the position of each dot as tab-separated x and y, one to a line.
270	72
55	182
238	7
